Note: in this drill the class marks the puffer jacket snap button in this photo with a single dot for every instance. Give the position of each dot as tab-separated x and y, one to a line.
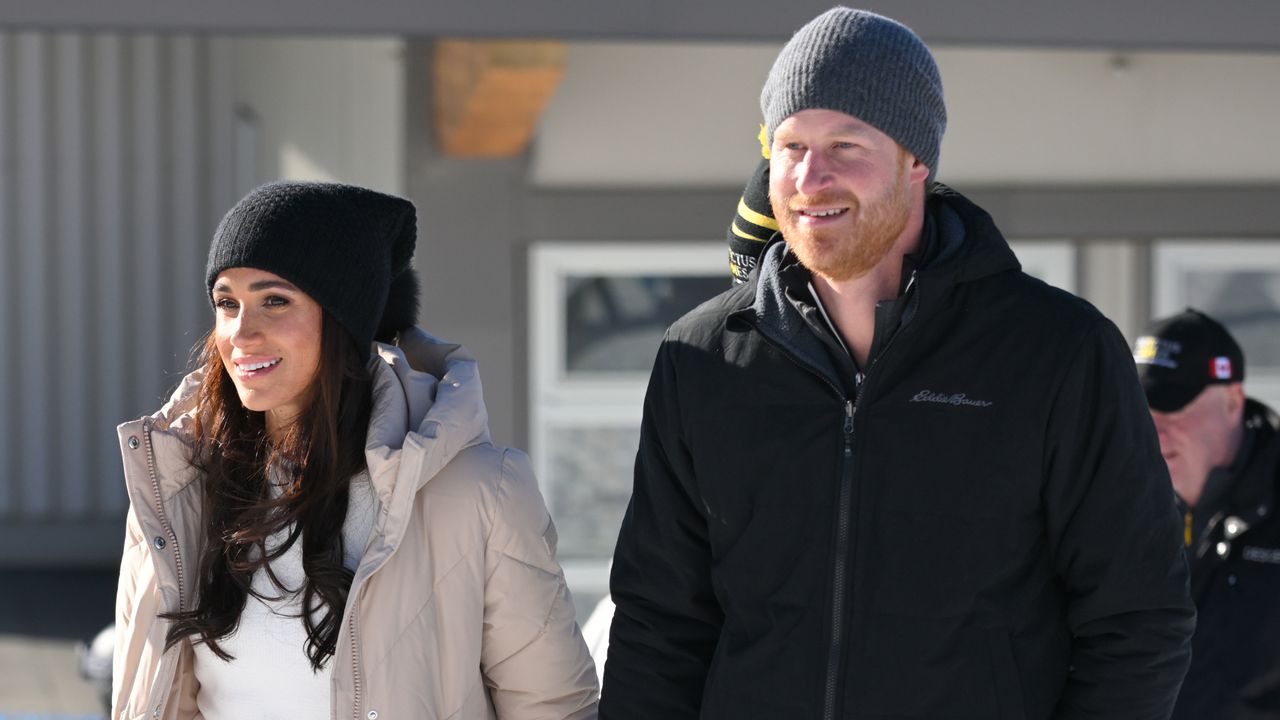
133	442
158	542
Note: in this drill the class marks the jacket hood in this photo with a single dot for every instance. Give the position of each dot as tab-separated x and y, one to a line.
972	247
428	405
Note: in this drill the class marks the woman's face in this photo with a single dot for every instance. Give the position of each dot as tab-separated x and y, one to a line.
268	335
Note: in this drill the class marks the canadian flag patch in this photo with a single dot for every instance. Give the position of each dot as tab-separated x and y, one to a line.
1222	368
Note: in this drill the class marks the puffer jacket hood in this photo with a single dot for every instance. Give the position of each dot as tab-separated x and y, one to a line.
440	416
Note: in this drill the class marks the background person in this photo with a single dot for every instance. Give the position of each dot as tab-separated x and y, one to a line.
319	525
1223	452
753	224
892	475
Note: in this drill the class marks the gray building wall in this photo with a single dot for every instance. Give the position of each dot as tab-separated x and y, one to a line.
110	175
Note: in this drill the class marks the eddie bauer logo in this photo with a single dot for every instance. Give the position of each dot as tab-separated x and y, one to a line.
957	399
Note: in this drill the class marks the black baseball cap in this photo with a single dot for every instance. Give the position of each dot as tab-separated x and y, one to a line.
1180	356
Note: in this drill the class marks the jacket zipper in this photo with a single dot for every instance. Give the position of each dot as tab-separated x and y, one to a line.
842	552
838	591
164	521
355	667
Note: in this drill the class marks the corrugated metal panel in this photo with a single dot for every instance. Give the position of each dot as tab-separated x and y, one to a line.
75	492
114	154
8	259
31	275
107	211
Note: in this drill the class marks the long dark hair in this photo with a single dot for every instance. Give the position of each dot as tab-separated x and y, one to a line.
315	460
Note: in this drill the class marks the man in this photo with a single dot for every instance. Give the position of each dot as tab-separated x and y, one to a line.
1223	452
892	476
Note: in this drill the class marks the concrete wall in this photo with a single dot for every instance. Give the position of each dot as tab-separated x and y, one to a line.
687	115
324	108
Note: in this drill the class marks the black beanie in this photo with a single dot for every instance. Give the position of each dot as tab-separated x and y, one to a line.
344	246
752	225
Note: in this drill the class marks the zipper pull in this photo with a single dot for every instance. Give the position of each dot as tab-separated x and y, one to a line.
848	418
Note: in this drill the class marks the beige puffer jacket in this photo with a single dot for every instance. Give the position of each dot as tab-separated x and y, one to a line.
458	609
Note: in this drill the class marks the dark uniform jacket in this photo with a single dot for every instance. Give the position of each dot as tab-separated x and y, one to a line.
981	528
1235	580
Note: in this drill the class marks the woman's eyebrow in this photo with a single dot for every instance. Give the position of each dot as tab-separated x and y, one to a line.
268	284
258	286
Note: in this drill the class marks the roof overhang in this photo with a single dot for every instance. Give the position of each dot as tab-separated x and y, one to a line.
1246	25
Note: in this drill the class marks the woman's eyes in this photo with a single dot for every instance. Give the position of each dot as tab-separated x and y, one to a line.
273	301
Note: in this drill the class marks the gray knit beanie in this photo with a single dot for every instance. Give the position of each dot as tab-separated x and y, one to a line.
865	65
349	248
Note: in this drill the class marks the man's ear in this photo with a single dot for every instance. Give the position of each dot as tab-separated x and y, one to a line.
919	171
1235	400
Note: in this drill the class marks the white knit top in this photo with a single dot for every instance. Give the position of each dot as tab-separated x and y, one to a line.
271	677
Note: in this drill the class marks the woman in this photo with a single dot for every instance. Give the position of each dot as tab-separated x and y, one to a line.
317	530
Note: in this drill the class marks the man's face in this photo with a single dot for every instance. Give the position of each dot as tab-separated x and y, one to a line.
1203	435
841	190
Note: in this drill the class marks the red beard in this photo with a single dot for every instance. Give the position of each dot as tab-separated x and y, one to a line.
855	246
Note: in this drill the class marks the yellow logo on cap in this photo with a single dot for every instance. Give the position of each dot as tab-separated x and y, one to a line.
1150	350
1145	352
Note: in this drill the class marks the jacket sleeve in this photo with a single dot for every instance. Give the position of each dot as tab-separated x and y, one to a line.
667	621
1115	540
533	656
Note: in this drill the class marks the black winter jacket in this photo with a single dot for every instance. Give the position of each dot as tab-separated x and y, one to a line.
984	528
1235	580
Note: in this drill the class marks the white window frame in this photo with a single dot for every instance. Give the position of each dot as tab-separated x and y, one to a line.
558	398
